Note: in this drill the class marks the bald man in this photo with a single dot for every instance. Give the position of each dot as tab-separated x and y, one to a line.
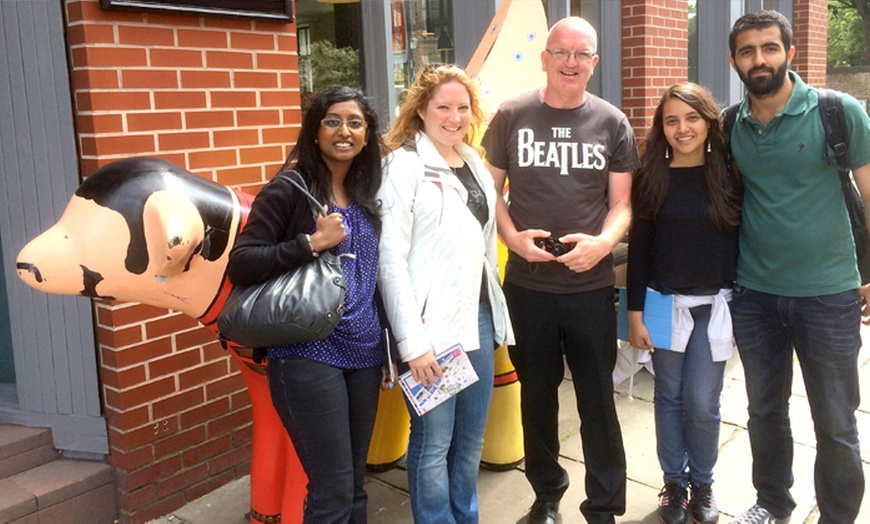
569	156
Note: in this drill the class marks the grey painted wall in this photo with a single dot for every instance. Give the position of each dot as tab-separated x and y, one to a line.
51	336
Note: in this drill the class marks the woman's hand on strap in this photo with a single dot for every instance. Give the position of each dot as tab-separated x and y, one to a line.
328	232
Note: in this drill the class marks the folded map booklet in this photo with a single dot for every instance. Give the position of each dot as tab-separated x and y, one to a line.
458	375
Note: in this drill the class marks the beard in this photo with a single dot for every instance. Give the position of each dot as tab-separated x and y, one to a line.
761	86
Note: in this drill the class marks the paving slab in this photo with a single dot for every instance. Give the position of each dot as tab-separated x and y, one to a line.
505	497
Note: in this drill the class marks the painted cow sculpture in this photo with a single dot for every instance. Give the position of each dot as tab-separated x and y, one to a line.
145	230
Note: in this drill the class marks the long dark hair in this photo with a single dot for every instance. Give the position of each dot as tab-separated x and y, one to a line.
650	184
364	177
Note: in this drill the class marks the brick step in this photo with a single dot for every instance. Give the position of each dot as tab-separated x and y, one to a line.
37	486
23	448
63	490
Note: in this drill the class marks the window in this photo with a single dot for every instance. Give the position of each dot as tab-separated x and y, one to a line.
422	35
329	40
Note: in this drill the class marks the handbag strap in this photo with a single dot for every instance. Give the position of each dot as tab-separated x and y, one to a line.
316	206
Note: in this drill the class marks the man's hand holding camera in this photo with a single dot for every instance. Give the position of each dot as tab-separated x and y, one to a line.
524	243
586	253
578	251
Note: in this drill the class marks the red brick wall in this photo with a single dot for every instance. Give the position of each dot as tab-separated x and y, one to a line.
219	97
810	27
654	55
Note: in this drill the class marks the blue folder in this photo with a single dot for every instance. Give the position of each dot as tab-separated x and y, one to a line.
658	314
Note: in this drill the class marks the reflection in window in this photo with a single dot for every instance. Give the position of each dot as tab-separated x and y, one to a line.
422	35
328	40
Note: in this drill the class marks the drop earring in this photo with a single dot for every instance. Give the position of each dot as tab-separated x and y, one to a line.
709	149
667	153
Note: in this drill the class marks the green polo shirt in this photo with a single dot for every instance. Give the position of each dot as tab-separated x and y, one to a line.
795	236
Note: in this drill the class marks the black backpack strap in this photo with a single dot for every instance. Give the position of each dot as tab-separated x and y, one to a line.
831	113
729	117
836	133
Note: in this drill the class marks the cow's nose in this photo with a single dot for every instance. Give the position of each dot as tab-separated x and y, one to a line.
28	268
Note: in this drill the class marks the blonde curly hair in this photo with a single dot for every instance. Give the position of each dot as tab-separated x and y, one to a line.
408	123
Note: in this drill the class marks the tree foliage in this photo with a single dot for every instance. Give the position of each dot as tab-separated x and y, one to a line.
848	32
334	66
326	65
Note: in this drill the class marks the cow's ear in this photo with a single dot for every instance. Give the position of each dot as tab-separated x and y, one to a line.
174	232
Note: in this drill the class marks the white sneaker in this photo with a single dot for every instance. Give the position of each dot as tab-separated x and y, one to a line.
758	515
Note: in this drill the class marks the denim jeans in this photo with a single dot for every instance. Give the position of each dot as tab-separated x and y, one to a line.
446	443
580	329
329	414
824	332
687	389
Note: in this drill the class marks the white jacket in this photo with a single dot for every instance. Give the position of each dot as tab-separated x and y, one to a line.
432	250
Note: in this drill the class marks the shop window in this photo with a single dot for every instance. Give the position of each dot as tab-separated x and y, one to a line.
422	35
329	41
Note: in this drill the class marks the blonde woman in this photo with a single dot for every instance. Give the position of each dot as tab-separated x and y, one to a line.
439	280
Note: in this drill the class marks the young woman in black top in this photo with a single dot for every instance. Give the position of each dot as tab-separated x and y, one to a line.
683	242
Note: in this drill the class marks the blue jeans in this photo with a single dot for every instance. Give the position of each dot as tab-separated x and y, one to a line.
329	414
446	443
687	389
824	332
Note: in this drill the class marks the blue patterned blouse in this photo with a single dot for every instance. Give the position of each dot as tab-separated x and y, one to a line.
356	341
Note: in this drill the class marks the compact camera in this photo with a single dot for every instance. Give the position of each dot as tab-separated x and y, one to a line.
552	245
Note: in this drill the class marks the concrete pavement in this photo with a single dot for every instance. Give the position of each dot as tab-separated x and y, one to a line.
505	496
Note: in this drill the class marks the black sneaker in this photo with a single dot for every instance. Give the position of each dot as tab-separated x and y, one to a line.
673	502
702	506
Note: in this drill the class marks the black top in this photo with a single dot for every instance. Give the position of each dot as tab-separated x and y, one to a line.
682	251
273	241
476	199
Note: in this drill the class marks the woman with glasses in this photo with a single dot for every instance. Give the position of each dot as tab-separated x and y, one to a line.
439	280
683	243
326	391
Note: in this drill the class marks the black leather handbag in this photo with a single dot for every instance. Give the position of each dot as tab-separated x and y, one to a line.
301	305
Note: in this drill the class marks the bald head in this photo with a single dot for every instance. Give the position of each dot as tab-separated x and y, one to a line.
572	26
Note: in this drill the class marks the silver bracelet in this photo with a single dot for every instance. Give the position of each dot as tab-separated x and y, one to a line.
315	254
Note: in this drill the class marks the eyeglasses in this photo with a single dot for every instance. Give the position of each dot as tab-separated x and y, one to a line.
561	55
335	123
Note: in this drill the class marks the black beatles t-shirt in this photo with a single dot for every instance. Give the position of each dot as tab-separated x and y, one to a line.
558	162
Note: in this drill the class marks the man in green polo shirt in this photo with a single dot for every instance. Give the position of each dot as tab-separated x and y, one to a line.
798	289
